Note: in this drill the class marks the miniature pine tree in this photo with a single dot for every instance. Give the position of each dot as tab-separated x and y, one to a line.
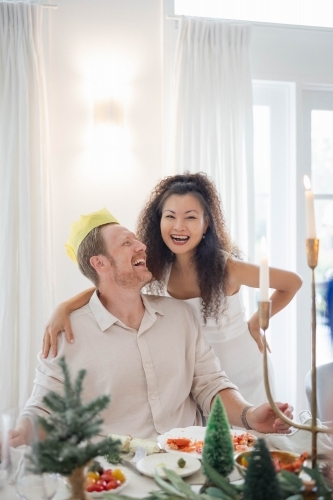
66	448
218	450
261	480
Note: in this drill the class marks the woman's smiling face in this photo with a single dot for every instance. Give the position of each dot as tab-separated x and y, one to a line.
183	223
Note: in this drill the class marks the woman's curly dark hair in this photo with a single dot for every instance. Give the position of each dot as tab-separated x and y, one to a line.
209	259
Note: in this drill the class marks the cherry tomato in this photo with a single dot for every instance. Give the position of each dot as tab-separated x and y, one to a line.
106	476
111	485
98	487
93	475
101	482
90	488
118	474
90	480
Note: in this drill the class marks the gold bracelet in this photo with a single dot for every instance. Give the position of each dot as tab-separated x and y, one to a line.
243	418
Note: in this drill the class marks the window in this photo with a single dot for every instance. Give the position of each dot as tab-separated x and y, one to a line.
318	145
274	182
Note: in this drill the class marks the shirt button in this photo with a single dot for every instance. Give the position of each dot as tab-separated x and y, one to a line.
147	365
153	397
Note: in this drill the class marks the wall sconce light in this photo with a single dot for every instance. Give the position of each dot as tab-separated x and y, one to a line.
108	111
109	150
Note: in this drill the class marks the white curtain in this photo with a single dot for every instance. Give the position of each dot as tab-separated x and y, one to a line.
25	243
213	121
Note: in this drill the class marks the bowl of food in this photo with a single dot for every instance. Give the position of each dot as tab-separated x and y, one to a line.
100	480
282	460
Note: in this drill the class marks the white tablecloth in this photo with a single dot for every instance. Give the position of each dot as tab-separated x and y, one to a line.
140	486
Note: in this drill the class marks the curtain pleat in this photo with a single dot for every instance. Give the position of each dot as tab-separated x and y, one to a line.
26	287
213	124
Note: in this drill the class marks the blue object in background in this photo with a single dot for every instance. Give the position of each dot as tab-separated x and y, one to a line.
330	305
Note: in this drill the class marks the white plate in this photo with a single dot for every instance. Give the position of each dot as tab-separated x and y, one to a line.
155	463
100	494
195	433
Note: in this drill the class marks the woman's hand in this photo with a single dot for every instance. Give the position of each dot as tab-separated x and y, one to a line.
256	332
58	322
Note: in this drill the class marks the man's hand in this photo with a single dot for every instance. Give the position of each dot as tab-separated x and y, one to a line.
17	437
263	419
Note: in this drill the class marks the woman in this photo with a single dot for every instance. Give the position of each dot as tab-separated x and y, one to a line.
191	257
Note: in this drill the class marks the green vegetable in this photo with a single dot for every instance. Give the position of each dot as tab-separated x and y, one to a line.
96	467
181	463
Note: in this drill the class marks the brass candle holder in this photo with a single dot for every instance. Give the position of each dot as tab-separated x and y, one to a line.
264	310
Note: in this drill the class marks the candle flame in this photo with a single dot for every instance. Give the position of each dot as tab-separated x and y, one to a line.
307	182
263	246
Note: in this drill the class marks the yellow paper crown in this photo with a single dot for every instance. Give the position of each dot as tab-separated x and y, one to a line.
81	228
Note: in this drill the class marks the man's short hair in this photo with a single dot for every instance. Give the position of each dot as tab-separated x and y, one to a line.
93	244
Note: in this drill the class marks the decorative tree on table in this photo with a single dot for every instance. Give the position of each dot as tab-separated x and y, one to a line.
218	450
261	481
66	448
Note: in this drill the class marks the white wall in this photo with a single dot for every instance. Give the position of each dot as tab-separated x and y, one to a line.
295	54
81	32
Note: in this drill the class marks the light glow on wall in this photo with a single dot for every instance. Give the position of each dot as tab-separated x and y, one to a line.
109	150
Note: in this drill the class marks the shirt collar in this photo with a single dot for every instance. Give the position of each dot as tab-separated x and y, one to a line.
152	304
105	319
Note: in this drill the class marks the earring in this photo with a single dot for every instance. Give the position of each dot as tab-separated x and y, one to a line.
204	236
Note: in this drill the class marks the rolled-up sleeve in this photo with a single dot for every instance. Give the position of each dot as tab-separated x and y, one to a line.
208	378
48	378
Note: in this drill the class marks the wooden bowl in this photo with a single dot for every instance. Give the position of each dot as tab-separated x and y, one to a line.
285	458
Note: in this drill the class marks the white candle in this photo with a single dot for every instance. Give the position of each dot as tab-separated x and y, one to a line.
264	273
309	208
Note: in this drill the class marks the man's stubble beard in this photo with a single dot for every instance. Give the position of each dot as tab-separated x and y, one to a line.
129	279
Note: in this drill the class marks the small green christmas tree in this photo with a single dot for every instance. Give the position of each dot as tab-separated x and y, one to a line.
66	448
261	482
218	450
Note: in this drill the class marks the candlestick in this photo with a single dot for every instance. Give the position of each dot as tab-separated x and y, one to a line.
264	273
309	207
264	313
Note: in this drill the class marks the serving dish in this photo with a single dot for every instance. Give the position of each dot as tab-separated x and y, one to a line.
196	434
283	460
155	463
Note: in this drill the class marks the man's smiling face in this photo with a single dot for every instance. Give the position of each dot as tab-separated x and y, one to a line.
127	256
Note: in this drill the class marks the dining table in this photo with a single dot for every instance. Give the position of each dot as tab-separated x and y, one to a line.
139	485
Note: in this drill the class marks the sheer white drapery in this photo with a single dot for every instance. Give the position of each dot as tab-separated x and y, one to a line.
213	121
25	285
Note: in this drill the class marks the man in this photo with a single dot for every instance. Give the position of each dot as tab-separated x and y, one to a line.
147	352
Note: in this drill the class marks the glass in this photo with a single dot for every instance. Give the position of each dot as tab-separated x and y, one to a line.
31	485
8	419
322	151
